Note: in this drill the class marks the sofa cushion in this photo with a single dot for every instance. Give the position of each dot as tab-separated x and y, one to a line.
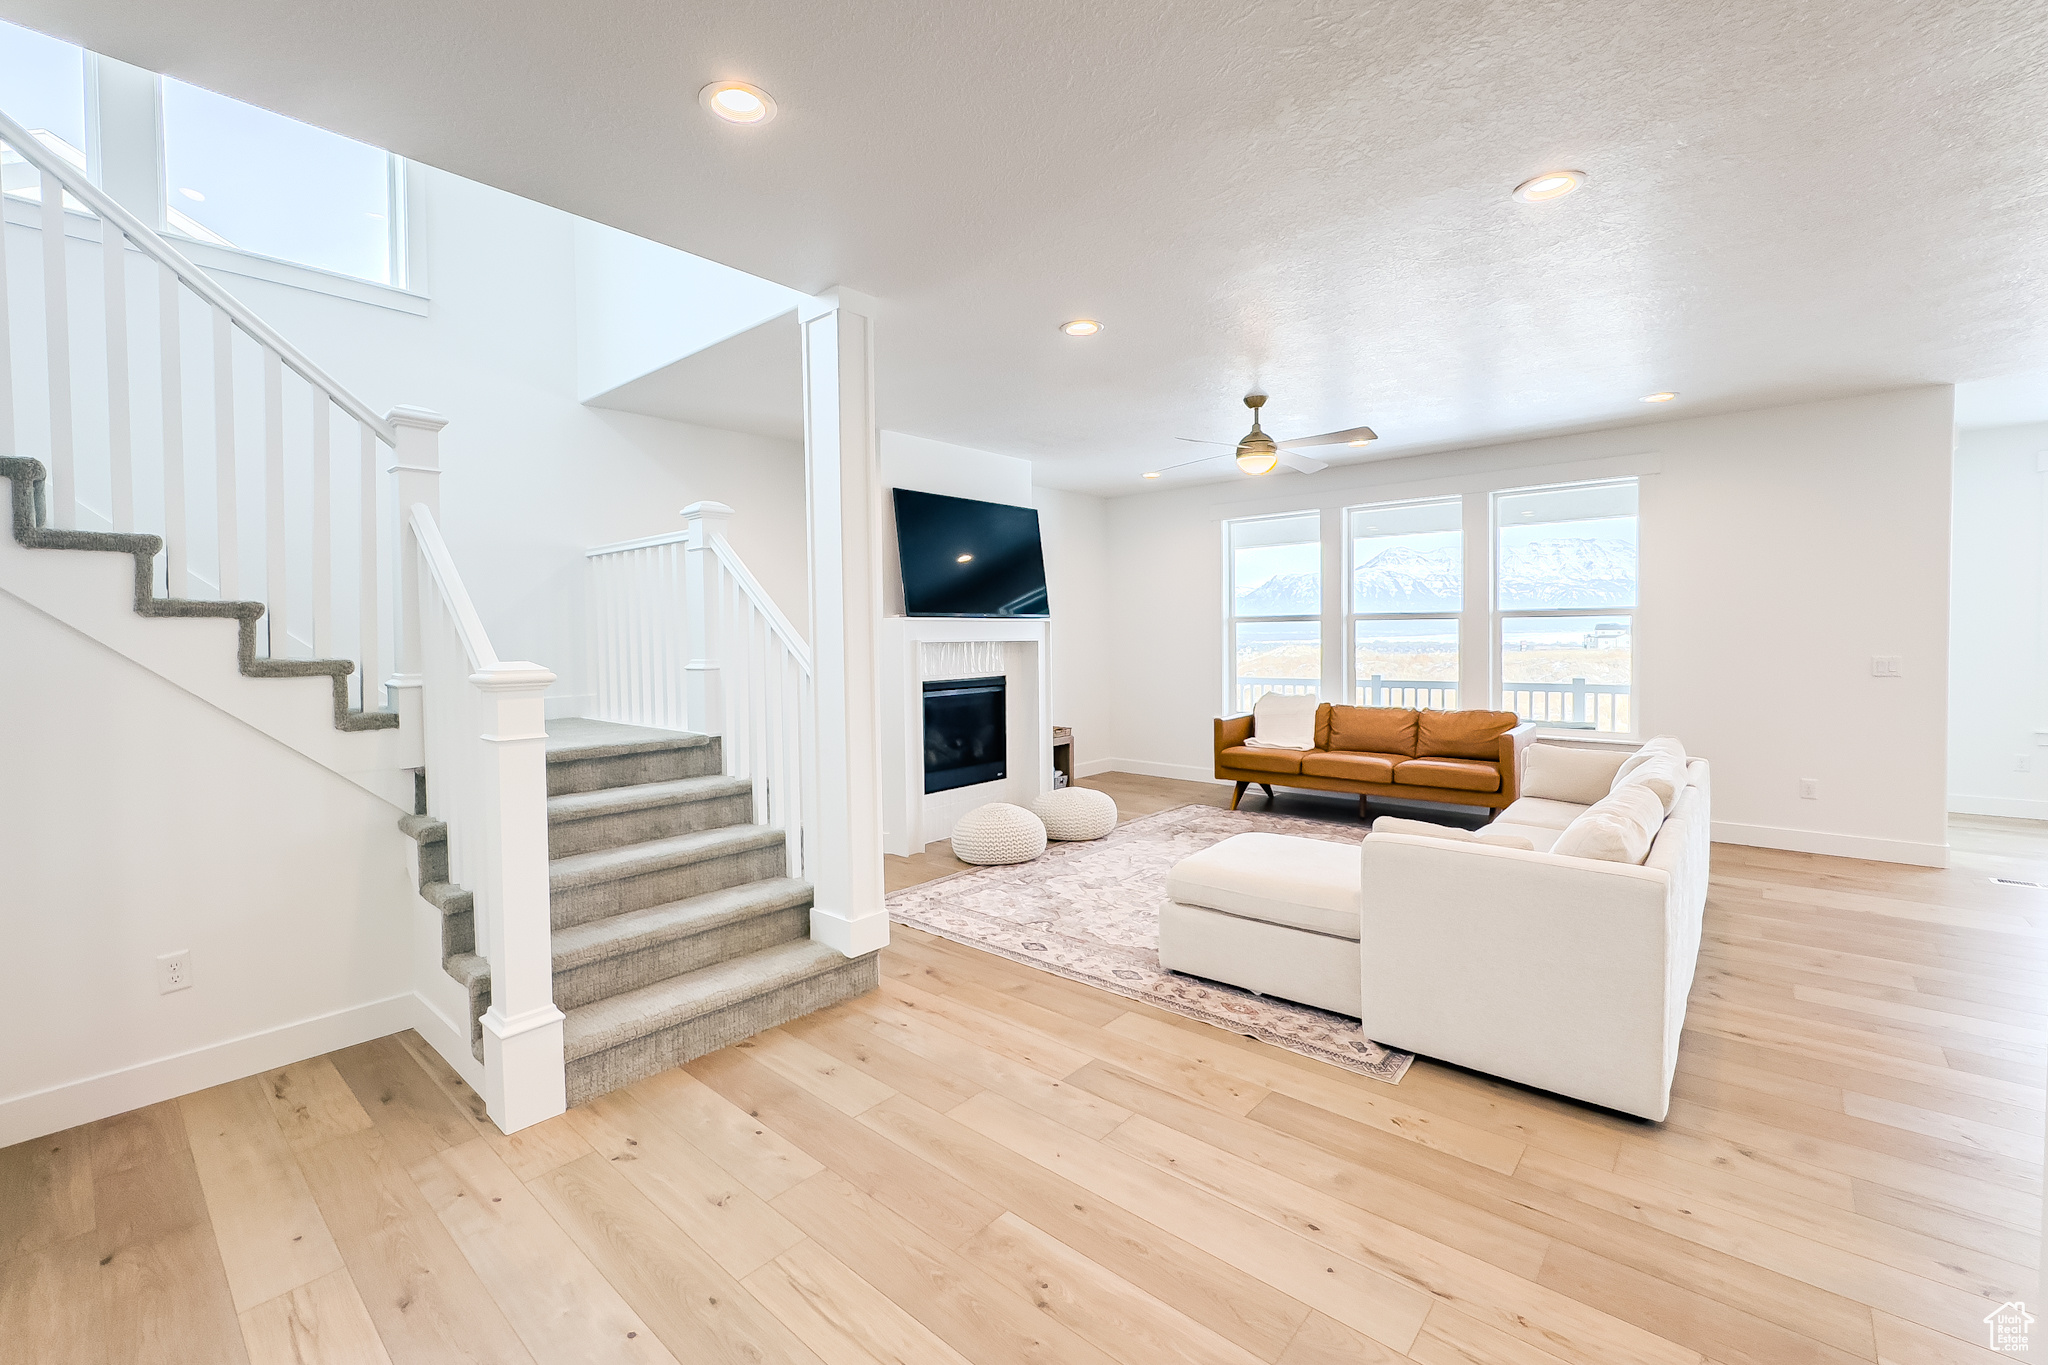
1278	878
1352	767
1463	734
1542	812
1323	726
1661	775
1373	729
1457	774
1619	828
1260	760
1539	838
1394	824
1557	772
1666	745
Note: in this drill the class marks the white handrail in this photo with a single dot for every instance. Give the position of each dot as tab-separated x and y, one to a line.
198	281
763	603
469	627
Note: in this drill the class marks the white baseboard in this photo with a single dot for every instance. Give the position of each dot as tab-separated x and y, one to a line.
2010	807
853	935
1832	845
1143	768
64	1106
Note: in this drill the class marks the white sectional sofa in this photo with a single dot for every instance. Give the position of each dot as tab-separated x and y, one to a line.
1567	973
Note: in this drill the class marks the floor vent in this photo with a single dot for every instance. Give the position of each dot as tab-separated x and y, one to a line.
2014	881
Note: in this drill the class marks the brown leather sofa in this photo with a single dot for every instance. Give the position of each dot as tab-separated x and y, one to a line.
1463	758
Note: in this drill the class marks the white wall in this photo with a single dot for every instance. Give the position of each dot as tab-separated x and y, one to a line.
137	820
1998	659
1781	549
532	477
642	305
1075	527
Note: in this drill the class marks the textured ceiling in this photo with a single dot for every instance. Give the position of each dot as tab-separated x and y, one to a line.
1786	201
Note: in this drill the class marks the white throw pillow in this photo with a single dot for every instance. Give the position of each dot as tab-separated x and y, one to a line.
1662	775
1666	745
1280	722
1394	824
1556	772
1619	828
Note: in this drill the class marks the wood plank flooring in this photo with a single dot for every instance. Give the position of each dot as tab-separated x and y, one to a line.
981	1163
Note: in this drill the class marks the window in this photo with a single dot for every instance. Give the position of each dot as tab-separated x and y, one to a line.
240	176
44	85
1407	590
1565	598
1276	607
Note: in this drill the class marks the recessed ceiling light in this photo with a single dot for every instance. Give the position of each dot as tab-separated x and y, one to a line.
1081	327
962	559
1549	185
192	194
1665	397
737	102
1153	475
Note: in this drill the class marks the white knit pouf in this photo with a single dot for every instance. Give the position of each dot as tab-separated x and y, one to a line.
998	833
1076	813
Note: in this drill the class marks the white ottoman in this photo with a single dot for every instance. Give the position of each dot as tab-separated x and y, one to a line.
1270	913
998	833
1075	813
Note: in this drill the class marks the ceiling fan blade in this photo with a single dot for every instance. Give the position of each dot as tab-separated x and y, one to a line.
1300	464
1333	438
1198	441
1168	469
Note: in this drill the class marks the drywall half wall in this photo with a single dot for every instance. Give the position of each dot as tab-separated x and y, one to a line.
1998	658
1781	550
137	820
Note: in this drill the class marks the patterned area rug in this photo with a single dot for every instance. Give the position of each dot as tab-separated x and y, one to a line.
1090	912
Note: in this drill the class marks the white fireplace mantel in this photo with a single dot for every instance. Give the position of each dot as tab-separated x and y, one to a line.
911	819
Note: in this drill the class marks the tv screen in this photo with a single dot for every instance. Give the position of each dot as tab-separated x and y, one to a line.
966	558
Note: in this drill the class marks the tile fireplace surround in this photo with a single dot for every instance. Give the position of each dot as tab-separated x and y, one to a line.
917	650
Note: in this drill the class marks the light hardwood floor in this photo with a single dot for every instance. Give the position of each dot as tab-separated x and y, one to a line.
983	1163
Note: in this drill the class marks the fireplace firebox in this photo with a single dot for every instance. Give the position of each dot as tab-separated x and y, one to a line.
965	739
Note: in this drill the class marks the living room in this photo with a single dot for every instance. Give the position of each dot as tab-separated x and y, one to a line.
820	825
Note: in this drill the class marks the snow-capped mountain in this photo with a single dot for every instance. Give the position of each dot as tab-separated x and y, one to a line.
1579	572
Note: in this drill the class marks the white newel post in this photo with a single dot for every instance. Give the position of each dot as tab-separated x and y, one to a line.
843	473
523	1077
415	477
703	676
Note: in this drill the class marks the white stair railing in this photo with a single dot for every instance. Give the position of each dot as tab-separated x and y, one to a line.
684	638
485	736
168	407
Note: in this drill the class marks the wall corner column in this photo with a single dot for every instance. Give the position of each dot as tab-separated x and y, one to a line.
843	484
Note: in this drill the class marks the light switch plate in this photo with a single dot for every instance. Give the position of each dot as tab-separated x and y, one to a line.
1884	666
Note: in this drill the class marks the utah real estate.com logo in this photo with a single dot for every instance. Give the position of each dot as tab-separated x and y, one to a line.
2008	1325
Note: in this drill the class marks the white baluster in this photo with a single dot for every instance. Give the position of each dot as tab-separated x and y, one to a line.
704	693
170	346
9	444
57	324
276	584
120	433
323	527
227	524
369	652
415	481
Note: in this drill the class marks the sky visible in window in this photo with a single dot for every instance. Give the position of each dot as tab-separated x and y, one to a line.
271	185
42	83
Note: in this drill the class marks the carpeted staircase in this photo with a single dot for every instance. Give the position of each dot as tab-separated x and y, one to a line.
676	930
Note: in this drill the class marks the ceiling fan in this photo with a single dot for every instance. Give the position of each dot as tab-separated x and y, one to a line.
1258	453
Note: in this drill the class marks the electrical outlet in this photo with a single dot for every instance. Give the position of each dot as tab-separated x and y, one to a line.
1884	666
1809	788
2023	763
174	971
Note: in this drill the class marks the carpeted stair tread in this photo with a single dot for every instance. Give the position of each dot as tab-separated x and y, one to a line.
619	800
448	898
573	741
582	944
613	864
28	479
594	1028
468	968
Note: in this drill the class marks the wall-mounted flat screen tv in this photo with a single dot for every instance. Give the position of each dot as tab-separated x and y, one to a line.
966	558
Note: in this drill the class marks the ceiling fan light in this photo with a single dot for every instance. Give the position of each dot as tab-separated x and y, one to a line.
1258	461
